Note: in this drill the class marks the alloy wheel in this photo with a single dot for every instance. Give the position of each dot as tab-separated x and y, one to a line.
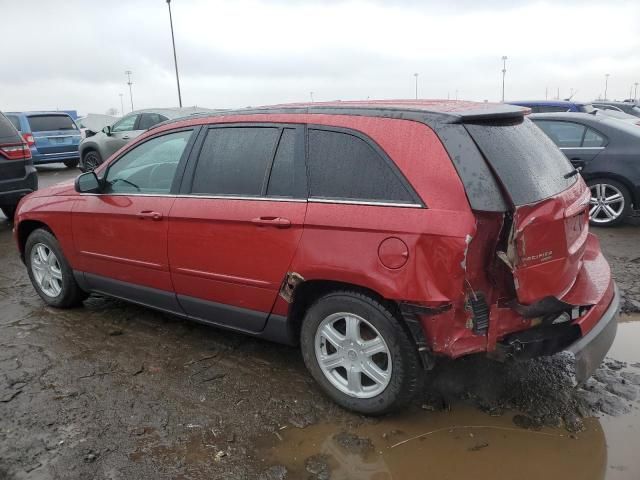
606	204
46	270
353	355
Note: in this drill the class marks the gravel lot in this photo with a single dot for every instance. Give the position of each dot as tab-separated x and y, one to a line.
115	391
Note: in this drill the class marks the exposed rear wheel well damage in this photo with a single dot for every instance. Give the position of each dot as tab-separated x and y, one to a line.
306	293
25	228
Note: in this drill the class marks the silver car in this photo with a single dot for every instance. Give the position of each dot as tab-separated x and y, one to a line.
97	148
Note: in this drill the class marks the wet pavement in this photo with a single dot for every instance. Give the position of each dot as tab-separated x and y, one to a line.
115	391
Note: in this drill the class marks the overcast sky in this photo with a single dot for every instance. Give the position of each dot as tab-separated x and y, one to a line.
235	53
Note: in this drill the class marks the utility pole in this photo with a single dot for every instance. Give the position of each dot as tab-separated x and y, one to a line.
416	75
121	105
129	82
504	72
175	58
606	84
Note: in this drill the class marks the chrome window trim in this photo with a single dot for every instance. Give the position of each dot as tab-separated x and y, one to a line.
581	148
372	203
263	199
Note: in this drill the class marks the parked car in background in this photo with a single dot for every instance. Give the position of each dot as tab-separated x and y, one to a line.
53	137
607	152
97	148
625	117
18	177
545	106
93	122
630	108
328	226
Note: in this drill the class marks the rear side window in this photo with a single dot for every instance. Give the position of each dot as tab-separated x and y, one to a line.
47	123
148	120
235	161
344	166
528	164
15	121
593	139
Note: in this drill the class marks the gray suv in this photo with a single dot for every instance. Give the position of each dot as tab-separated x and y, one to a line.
97	148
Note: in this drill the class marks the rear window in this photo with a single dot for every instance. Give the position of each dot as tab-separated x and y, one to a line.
529	165
15	121
7	131
47	123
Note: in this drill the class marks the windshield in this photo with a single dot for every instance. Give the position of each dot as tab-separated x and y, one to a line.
47	123
529	165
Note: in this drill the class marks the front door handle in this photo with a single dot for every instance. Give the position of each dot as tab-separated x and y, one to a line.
150	214
278	222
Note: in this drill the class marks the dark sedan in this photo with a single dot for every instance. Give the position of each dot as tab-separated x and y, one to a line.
606	151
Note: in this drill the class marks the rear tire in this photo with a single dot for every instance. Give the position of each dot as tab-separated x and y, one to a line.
9	211
49	271
71	163
610	202
356	379
90	161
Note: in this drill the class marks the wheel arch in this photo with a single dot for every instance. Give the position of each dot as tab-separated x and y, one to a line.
306	292
26	228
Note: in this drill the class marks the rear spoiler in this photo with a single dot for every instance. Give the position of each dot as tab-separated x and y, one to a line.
494	112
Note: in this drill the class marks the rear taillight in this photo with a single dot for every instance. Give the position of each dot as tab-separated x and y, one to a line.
29	139
16	152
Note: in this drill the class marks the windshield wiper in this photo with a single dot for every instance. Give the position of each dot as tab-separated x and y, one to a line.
572	173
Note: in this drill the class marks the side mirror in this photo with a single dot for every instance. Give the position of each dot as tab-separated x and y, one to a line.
87	183
107	130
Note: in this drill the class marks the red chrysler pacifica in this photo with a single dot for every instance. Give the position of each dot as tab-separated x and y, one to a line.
379	236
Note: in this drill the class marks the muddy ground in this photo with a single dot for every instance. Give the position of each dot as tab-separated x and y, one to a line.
115	391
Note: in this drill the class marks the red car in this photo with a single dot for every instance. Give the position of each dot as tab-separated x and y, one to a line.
380	236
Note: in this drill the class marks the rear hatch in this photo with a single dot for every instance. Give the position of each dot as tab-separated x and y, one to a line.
548	207
54	133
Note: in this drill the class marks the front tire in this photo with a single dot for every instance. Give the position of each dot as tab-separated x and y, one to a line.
49	271
90	161
610	202
360	354
71	163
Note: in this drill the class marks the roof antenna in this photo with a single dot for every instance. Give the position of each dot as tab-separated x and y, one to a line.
573	94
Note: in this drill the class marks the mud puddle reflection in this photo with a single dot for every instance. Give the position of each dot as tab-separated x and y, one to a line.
465	442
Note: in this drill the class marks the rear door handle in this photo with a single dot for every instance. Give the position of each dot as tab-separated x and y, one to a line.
150	214
278	222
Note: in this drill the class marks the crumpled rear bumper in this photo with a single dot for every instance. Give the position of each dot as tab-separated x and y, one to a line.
590	349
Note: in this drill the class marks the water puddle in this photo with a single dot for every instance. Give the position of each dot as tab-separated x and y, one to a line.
464	442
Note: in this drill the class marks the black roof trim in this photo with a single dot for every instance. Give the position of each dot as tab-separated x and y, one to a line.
428	117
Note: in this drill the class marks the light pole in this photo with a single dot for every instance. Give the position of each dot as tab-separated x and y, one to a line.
129	82
311	95
504	72
416	75
606	84
635	95
175	58
121	105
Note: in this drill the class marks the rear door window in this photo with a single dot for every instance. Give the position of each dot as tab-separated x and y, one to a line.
346	167
282	179
235	161
48	123
530	167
